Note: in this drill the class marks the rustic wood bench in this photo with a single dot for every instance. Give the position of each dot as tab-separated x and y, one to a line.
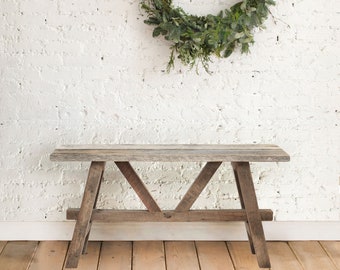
213	155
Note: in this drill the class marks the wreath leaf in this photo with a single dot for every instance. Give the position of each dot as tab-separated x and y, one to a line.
195	38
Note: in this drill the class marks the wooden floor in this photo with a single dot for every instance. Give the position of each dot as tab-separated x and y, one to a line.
170	255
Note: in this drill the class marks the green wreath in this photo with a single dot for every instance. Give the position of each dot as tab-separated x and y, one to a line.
195	38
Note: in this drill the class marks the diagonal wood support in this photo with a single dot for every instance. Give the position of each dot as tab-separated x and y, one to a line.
197	187
83	224
249	202
138	186
234	165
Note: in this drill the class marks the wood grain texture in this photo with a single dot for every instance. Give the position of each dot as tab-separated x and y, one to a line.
312	256
333	251
242	257
174	152
214	256
2	245
106	215
115	255
234	165
197	187
89	261
247	191
209	255
49	255
17	255
181	256
170	146
282	257
82	226
148	255
138	186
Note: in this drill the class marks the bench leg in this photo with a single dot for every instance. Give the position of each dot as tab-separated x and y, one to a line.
90	223
242	205
249	202
83	224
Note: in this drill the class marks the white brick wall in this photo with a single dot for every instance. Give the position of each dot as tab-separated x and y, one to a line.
89	72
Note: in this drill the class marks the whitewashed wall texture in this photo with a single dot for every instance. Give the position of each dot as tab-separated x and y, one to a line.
83	72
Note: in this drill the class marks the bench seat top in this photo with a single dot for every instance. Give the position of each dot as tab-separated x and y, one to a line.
171	152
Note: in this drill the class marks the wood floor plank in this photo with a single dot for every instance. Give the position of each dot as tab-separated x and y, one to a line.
213	256
181	256
148	255
311	255
242	257
89	261
2	245
333	250
282	257
115	255
49	255
185	255
17	255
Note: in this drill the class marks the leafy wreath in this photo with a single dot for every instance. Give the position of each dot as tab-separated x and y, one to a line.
195	38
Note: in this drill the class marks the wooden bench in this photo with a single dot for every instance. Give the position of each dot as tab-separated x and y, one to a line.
213	155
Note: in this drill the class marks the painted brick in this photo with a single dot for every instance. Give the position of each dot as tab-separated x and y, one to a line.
90	72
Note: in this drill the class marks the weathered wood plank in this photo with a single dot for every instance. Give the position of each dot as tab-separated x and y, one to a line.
83	221
89	261
138	186
214	256
311	255
333	250
164	153
181	256
197	187
148	255
234	165
170	146
247	190
107	215
17	255
115	255
49	255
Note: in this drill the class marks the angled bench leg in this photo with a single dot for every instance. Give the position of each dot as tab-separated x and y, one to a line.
83	224
90	223
249	202
242	205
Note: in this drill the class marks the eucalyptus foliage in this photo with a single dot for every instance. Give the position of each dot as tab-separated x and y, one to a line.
195	38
